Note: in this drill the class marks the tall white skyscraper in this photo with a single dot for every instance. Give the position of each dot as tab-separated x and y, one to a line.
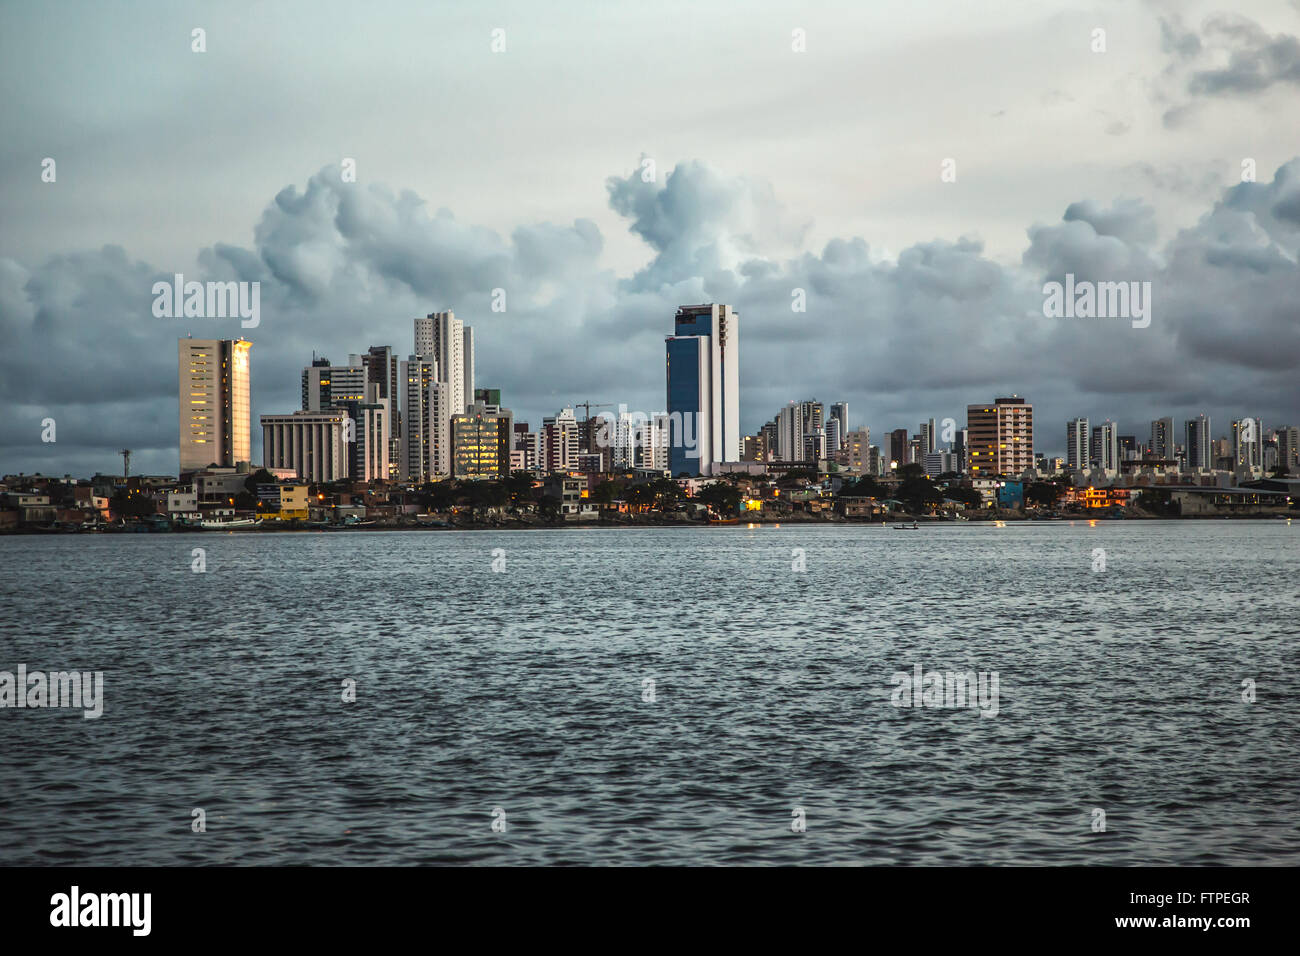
1105	446
444	338
215	414
703	387
418	377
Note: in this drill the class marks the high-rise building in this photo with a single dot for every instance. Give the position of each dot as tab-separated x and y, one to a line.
1200	448
1001	437
1248	443
703	385
309	443
898	447
326	386
840	413
421	398
858	448
367	438
1078	451
1288	449
796	424
938	463
559	441
448	341
1162	438
467	357
1105	446
481	440
383	372
834	438
215	415
927	437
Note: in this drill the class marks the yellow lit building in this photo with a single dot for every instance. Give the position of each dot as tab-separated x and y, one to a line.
480	441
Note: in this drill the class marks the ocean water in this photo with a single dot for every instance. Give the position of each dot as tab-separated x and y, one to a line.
522	696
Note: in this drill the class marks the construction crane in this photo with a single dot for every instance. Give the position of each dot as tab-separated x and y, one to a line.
126	462
590	405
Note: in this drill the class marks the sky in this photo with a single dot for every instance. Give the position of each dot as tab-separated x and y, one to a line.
918	169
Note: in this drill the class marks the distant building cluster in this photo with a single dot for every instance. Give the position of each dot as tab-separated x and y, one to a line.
388	439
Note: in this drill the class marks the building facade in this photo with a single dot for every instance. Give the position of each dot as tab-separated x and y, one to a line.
1001	437
703	388
215	413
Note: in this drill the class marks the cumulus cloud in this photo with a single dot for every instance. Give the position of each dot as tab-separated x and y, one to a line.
345	265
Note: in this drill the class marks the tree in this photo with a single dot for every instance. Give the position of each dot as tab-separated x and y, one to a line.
259	477
1045	493
967	496
439	495
520	485
722	498
864	487
606	491
130	504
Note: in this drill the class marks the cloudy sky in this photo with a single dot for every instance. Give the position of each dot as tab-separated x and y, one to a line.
774	169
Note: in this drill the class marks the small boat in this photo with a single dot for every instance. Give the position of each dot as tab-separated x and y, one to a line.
905	527
229	524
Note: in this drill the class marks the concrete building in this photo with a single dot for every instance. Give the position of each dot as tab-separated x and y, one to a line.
367	439
559	441
481	441
1001	437
840	413
1248	443
1288	448
1078	450
796	424
215	414
326	386
443	337
1162	438
309	443
703	388
1200	452
1104	450
858	446
898	448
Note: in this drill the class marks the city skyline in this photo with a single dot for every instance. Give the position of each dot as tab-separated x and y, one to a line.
903	317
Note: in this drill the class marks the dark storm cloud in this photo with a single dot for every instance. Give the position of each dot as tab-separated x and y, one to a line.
1255	60
344	266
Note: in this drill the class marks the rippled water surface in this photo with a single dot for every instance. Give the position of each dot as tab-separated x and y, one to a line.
523	690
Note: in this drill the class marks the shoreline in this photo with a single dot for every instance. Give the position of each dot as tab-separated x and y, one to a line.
517	525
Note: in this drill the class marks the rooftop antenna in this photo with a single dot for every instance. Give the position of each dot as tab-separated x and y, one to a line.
126	462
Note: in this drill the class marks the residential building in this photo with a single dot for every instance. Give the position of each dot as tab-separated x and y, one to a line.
1200	448
1078	451
215	414
1001	437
